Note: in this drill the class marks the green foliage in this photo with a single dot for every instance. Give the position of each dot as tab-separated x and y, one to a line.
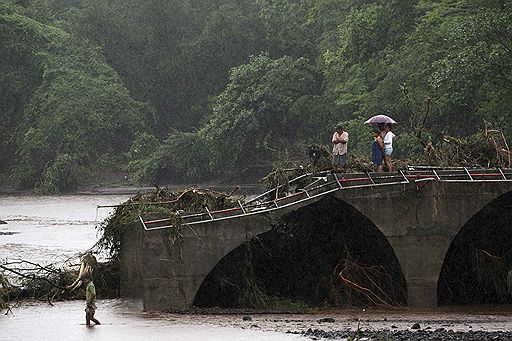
182	156
190	155
78	106
141	156
477	66
254	117
357	64
287	27
172	54
60	176
81	78
360	137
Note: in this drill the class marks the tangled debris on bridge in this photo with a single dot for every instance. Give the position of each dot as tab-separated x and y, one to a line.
164	202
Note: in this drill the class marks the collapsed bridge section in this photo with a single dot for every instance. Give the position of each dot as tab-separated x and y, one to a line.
419	211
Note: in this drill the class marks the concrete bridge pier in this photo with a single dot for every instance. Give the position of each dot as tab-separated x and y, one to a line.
421	259
167	269
420	224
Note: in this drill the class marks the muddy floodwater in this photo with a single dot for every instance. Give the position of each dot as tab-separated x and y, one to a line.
121	320
52	229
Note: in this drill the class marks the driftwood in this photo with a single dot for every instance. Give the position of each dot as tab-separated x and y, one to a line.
31	277
372	283
20	279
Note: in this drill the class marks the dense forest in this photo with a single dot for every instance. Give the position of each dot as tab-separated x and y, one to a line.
193	90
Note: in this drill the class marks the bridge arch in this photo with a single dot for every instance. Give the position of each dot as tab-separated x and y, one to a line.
419	217
299	257
475	267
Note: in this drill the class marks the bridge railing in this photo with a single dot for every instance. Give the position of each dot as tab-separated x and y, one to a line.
321	184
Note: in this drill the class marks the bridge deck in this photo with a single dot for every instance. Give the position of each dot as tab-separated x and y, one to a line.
311	186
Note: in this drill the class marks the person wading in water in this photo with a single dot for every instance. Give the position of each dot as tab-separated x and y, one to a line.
88	263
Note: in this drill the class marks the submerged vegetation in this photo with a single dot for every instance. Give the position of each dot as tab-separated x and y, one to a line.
24	280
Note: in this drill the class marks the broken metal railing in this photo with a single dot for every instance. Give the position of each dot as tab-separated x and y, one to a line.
312	191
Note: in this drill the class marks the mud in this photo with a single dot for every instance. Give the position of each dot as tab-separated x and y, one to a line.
454	323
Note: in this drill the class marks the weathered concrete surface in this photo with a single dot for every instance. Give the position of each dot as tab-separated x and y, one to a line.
131	263
419	224
173	273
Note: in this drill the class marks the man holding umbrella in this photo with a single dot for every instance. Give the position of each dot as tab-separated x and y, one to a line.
339	149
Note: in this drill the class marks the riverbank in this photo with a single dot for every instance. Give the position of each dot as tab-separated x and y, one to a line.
446	323
126	189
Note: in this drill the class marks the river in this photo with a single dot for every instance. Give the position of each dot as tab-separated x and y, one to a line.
52	229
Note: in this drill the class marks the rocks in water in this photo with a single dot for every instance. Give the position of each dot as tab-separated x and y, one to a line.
409	335
416	326
326	319
8	233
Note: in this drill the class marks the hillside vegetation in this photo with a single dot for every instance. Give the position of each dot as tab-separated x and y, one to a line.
192	90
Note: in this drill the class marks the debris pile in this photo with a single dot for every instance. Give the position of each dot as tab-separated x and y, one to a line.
370	284
21	279
487	148
162	201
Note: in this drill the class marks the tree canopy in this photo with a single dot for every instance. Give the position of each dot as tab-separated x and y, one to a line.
195	89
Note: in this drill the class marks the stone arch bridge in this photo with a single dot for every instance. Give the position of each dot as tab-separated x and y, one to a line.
419	212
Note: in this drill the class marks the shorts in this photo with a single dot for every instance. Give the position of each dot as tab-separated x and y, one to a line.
377	158
90	309
388	150
339	160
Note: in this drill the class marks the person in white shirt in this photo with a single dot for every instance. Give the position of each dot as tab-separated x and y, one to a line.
339	148
387	136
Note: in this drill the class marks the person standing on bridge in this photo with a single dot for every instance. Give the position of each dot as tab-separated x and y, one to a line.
387	136
377	150
339	149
